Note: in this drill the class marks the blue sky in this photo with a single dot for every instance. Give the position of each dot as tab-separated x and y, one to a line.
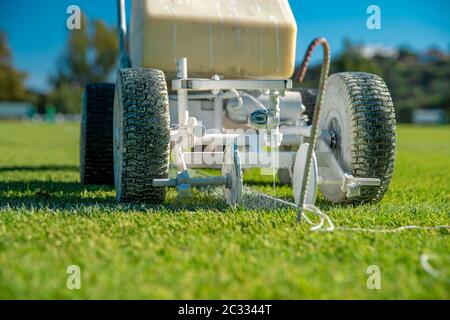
37	32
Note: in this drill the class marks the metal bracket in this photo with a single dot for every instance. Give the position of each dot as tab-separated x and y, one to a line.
349	184
183	182
352	185
183	185
208	84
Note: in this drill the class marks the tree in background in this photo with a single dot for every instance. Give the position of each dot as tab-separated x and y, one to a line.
415	79
90	56
352	60
12	86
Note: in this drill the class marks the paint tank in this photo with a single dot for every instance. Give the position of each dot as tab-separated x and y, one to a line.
253	39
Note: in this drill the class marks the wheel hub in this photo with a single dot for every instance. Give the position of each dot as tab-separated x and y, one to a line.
336	137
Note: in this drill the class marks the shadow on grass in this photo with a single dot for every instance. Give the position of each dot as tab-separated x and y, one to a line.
40	168
50	195
57	195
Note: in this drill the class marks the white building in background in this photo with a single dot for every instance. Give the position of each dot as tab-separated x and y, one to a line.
16	110
429	116
370	51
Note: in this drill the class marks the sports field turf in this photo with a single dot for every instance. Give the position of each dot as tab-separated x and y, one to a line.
201	248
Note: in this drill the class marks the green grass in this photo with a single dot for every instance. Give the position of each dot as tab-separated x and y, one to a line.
202	249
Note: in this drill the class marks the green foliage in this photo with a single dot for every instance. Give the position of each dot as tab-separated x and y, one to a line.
68	98
90	56
73	65
201	249
415	80
12	86
352	60
106	48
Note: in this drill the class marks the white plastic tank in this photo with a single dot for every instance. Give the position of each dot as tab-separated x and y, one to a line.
253	39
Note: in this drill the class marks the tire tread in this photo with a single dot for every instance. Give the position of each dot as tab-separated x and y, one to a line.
373	132
96	139
146	134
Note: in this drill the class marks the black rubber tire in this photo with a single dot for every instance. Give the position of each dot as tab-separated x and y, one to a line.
309	101
96	135
369	141
141	135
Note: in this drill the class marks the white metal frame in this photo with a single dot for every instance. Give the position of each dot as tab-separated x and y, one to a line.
190	133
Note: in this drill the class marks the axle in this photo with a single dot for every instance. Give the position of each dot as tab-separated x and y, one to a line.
179	180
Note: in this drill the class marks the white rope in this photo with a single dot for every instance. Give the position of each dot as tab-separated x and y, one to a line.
323	217
307	208
326	224
424	258
392	230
